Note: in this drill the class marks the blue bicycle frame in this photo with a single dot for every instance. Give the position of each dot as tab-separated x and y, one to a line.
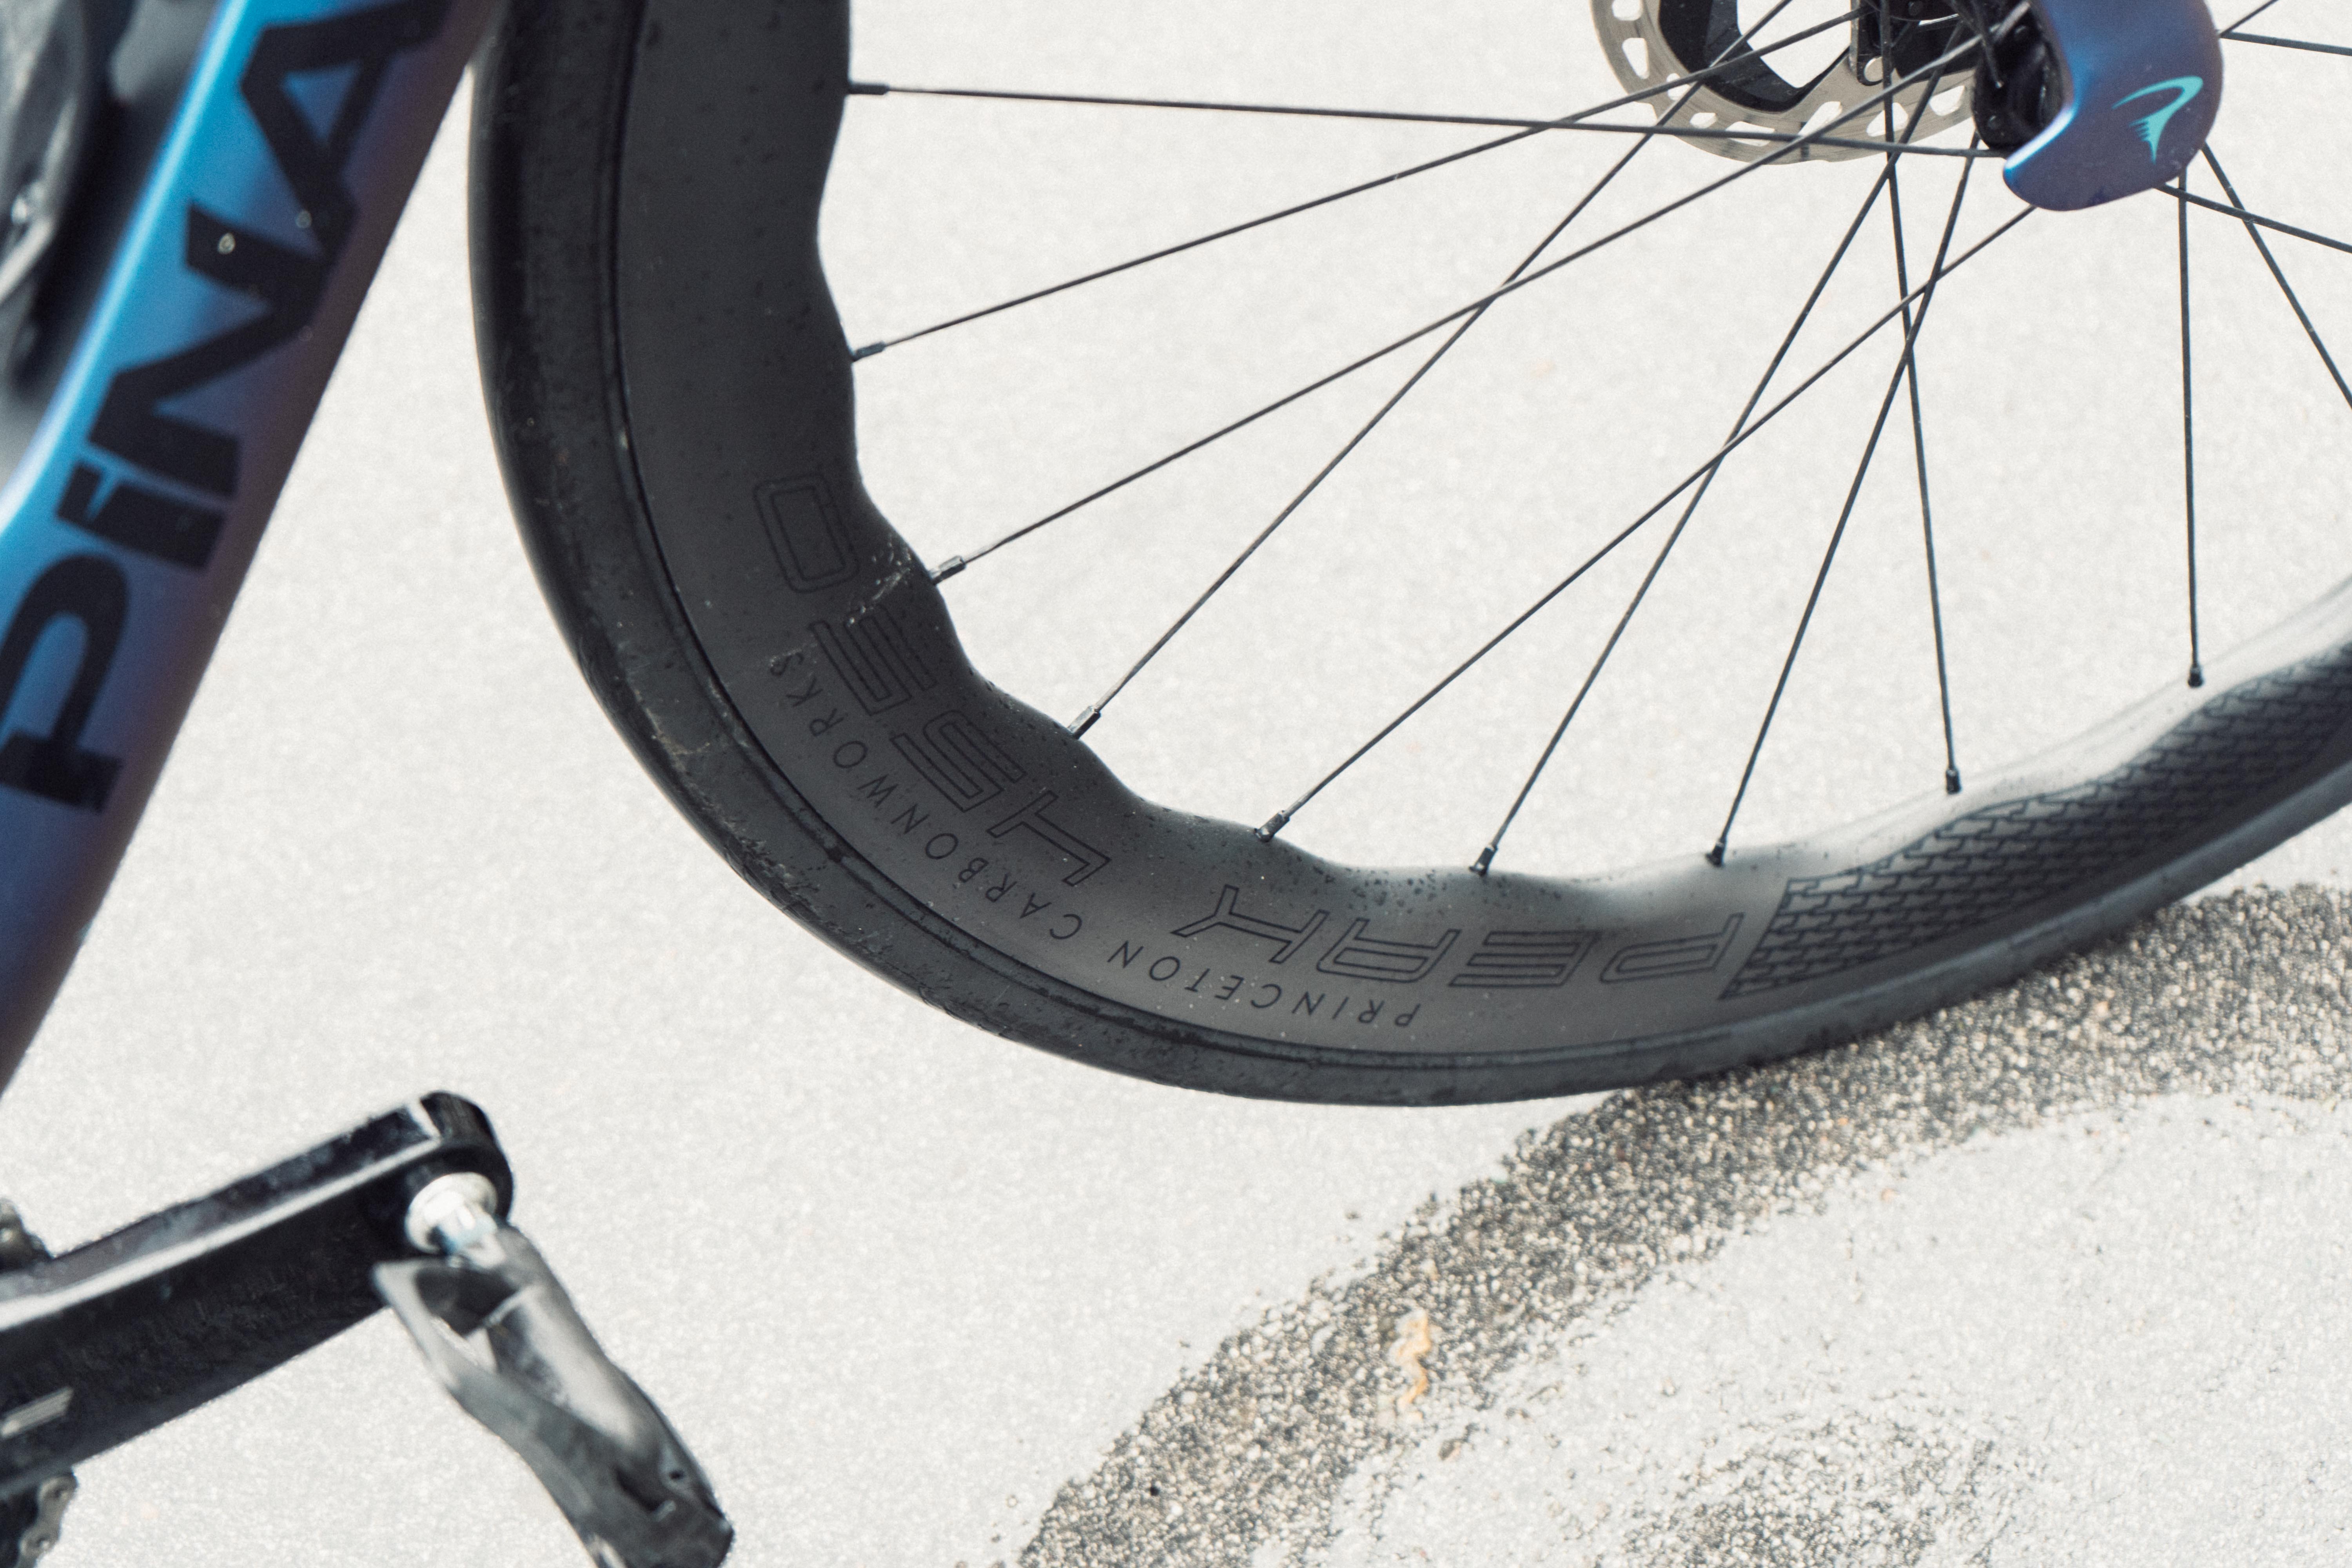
130	522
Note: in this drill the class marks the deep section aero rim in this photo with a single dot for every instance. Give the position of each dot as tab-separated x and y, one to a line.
673	398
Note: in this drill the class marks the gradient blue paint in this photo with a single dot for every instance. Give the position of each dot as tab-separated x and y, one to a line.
56	859
2119	52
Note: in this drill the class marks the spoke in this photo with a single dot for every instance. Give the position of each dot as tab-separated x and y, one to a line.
1392	116
2279	275
1926	507
1858	143
1311	111
2229	209
954	564
2248	17
1529	129
1378	182
1085	721
2237	37
1854	495
1486	860
1697	476
2188	436
1094	710
1738	54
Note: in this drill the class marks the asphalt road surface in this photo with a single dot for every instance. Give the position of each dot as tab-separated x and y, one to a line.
2054	1277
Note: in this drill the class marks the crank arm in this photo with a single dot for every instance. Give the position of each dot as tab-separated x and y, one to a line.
116	1338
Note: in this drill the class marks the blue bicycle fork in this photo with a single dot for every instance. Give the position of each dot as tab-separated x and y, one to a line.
2136	86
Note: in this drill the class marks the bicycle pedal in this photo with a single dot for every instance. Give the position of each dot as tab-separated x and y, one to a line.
499	1331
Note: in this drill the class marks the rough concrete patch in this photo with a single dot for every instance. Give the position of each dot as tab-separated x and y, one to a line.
1842	1494
1243	1461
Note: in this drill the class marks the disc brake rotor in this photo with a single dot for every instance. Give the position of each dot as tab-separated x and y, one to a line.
1653	42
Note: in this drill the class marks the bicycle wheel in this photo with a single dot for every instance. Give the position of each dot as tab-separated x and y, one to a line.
1791	861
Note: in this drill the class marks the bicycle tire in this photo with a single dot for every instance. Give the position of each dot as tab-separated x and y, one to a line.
672	398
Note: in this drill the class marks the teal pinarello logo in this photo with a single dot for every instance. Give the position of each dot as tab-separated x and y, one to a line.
2182	89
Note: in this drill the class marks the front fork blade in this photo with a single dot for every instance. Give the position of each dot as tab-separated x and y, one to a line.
2111	97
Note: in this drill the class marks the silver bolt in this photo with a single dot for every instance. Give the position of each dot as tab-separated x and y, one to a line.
454	1214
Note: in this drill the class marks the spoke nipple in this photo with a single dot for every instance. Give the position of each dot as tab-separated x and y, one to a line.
1486	859
2196	675
1086	721
1715	856
868	351
1273	825
868	89
1951	781
949	568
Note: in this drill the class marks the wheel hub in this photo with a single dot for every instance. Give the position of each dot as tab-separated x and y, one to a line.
2091	100
1653	42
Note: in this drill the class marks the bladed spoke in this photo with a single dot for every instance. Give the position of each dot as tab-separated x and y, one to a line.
1885	182
1926	505
1854	495
1526	129
2189	438
1086	719
1861	110
1397	116
2230	209
1697	476
2278	275
2238	37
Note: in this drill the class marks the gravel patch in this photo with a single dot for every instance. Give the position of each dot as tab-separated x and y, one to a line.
1301	1440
